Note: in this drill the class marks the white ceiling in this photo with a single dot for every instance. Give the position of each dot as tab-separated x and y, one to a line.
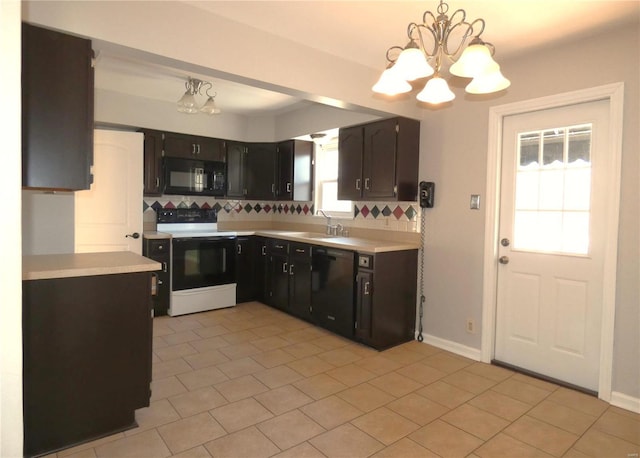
361	31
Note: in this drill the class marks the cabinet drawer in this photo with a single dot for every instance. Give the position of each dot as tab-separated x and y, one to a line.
277	246
299	250
158	247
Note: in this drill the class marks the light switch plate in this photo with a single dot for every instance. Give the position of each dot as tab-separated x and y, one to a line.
475	202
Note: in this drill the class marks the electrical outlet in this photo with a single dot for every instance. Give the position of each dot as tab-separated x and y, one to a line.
471	327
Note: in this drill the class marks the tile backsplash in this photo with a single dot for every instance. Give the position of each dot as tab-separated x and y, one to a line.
394	216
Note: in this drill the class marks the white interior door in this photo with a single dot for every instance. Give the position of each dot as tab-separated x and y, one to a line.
112	208
552	241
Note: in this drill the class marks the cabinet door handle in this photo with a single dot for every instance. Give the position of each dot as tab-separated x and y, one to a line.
164	267
239	250
291	269
366	288
193	148
157	182
198	149
280	247
154	284
284	268
366	183
300	250
358	184
273	188
264	250
288	187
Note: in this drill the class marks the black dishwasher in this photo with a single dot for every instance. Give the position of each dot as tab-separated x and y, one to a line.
332	289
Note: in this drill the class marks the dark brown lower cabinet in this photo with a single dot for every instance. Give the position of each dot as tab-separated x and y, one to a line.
245	270
86	357
300	280
386	297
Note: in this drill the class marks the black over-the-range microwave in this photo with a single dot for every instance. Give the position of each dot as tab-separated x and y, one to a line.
194	177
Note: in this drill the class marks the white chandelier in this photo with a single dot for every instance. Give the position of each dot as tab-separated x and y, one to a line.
188	104
431	43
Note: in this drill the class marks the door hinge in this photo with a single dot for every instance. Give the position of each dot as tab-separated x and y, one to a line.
397	128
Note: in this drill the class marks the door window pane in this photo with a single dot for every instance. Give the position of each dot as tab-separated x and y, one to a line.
579	144
529	149
553	147
553	198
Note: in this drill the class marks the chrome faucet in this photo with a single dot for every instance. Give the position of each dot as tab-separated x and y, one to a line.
321	212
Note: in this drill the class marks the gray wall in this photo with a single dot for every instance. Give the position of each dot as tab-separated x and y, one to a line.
454	155
47	222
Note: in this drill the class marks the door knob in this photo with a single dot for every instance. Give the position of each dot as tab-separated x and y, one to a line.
504	260
505	242
135	235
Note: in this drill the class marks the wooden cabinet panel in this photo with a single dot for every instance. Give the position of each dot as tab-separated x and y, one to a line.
364	305
300	280
194	147
260	259
386	299
86	357
153	178
236	169
57	110
261	171
379	160
279	281
284	176
350	144
245	271
159	250
294	179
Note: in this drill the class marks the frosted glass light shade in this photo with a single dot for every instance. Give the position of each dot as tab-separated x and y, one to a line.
436	91
475	59
210	107
187	104
390	83
412	64
487	83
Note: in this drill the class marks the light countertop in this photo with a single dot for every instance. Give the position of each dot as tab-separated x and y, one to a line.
47	266
346	243
360	245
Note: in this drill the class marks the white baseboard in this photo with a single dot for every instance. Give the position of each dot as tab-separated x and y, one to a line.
454	347
624	401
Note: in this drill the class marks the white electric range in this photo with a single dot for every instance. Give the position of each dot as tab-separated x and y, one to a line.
203	274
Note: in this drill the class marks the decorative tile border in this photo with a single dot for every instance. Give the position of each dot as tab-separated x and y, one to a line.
401	211
299	208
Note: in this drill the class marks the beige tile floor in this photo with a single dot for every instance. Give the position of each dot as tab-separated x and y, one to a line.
251	381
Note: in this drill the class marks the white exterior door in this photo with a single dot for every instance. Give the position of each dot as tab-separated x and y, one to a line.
112	208
552	235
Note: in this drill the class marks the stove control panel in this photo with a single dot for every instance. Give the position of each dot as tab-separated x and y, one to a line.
187	215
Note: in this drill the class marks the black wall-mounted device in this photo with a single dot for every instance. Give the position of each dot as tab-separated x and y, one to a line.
427	190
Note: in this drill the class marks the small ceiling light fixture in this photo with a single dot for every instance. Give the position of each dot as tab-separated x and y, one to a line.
188	104
430	44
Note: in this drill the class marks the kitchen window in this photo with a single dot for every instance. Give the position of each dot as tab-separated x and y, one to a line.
326	180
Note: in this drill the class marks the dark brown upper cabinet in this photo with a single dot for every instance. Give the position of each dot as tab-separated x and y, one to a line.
236	169
194	147
260	172
57	110
294	179
153	178
379	160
